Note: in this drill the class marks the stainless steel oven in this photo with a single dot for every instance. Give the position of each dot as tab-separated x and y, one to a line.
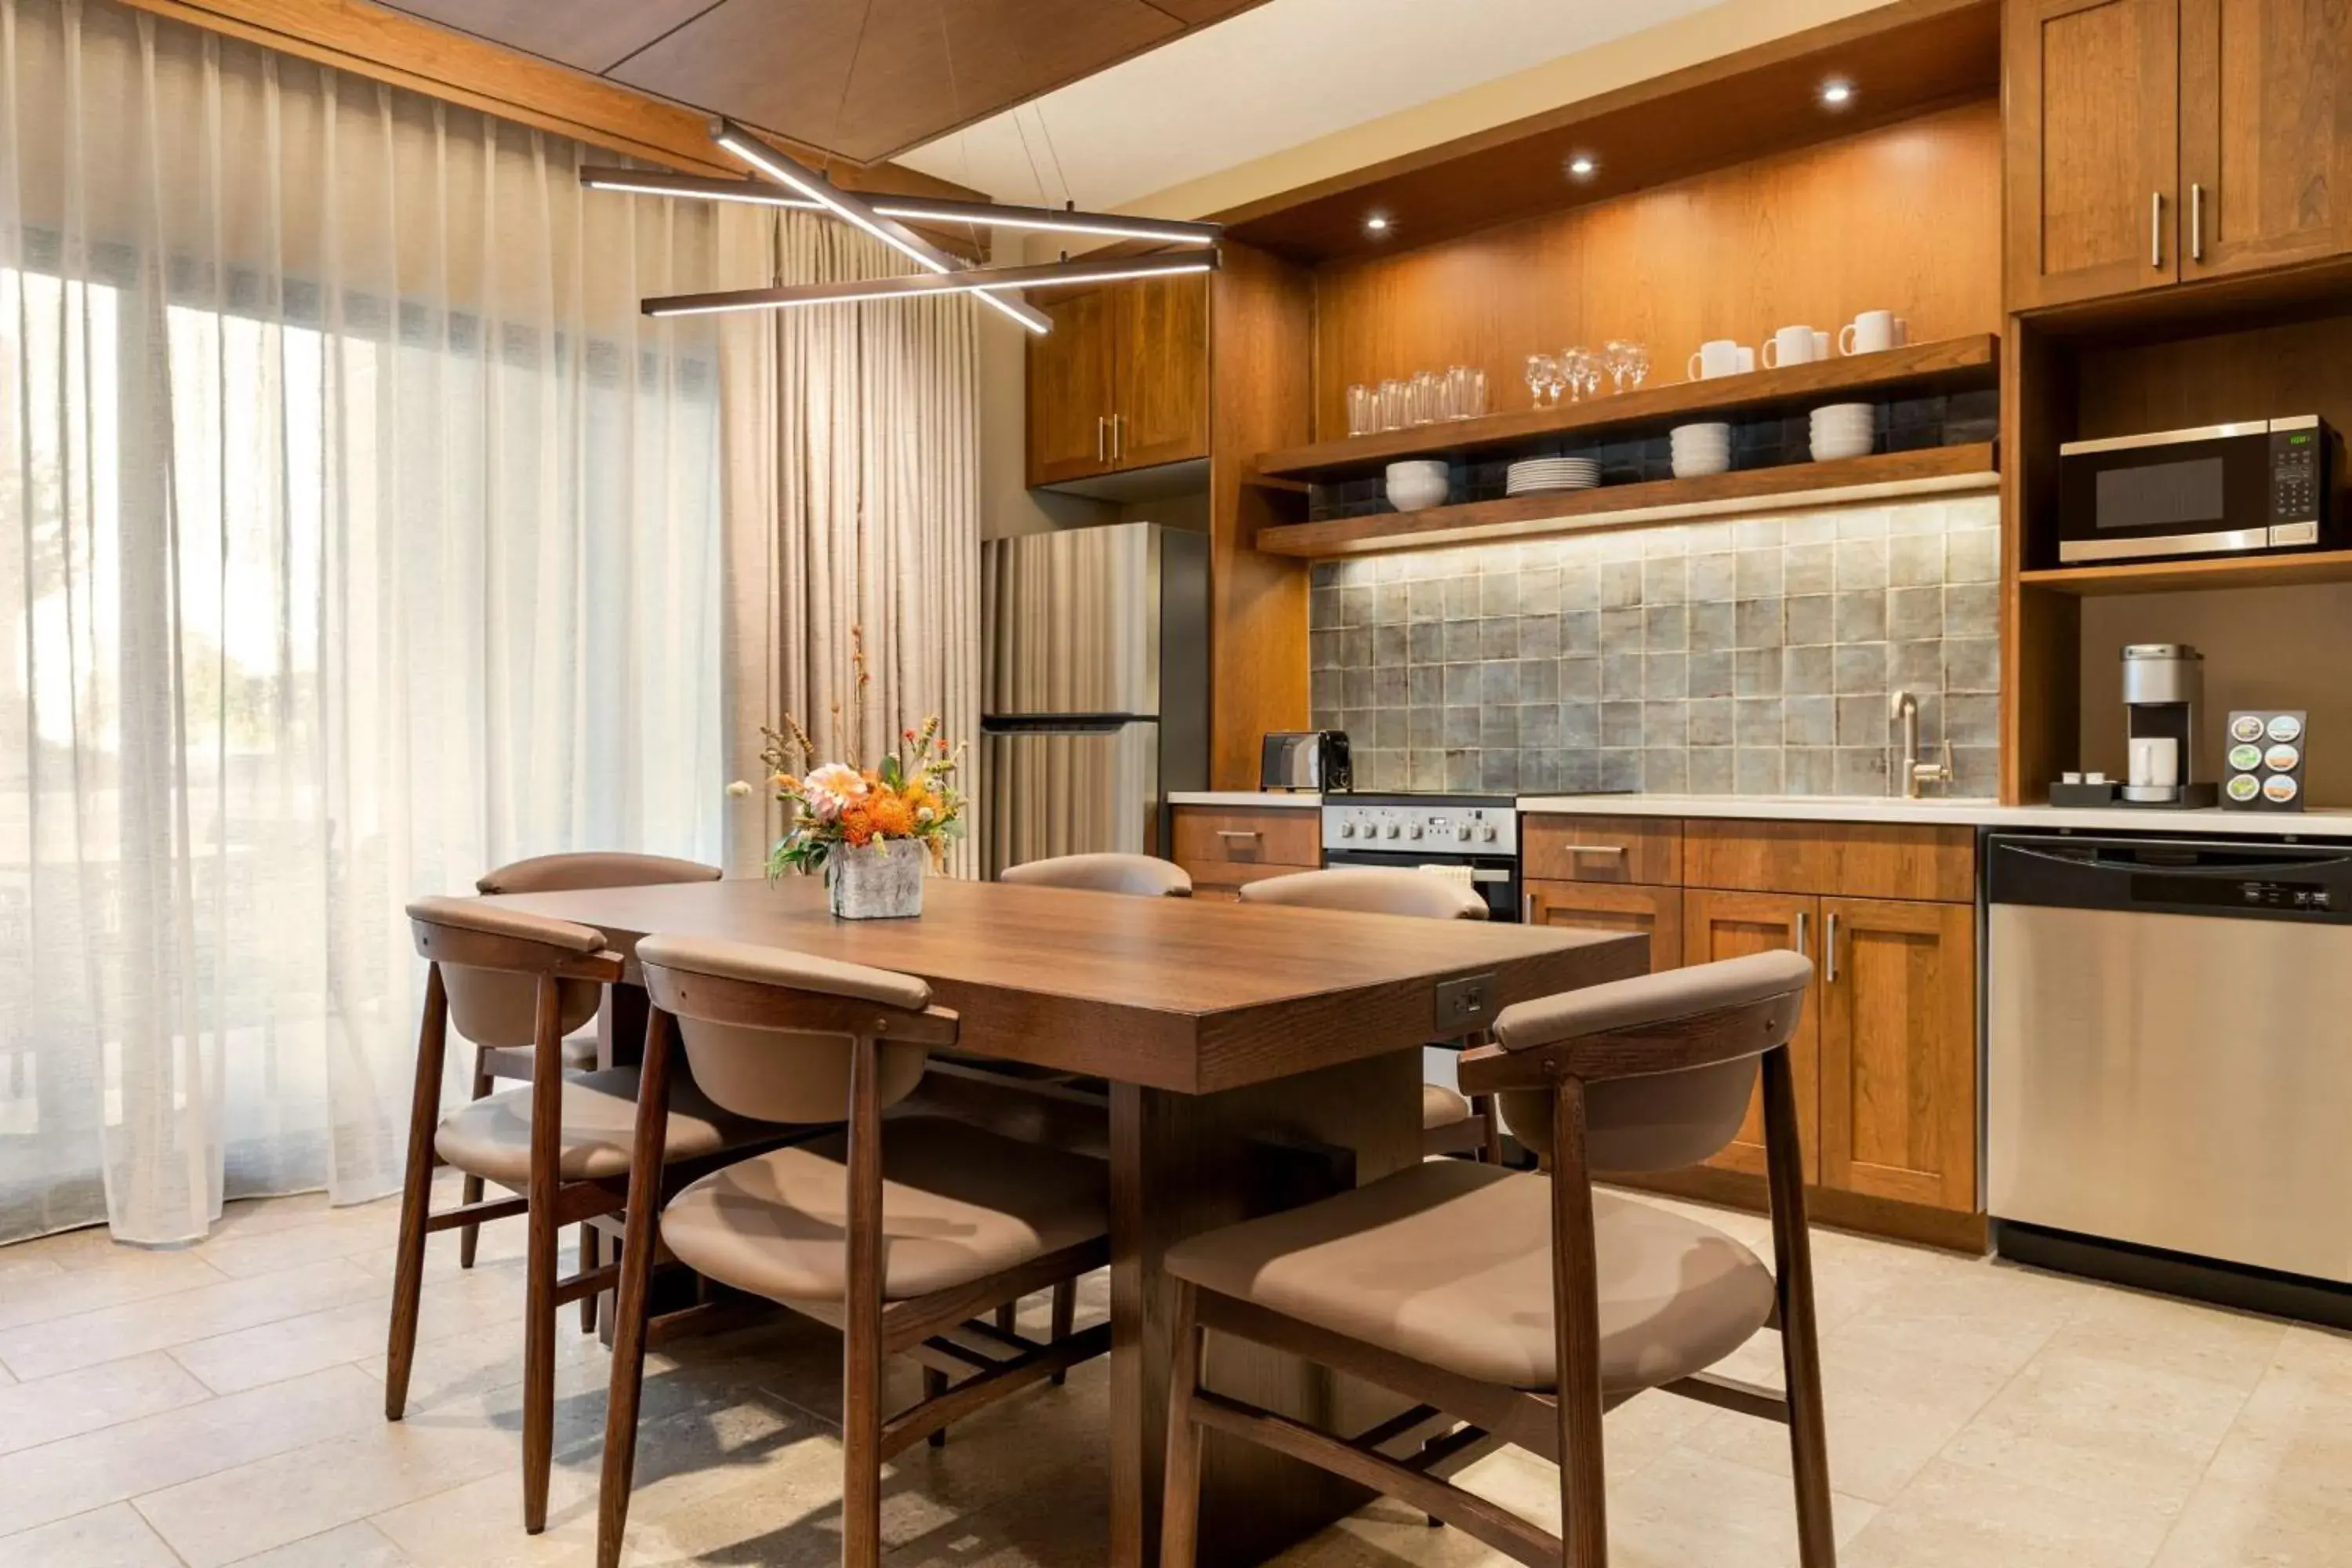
1474	838
2256	486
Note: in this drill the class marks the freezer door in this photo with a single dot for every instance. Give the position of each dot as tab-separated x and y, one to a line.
1073	622
1069	790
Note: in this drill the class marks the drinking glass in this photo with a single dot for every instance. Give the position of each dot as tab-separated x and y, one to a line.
1637	364
1576	366
1465	387
1363	410
1616	358
1424	398
1391	401
1541	370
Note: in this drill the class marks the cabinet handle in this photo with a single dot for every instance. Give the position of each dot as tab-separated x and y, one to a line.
1526	909
1119	437
1804	933
1615	851
2196	223
2156	229
1239	833
1829	950
1100	423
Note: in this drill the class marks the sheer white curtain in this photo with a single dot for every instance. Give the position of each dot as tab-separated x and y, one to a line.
356	534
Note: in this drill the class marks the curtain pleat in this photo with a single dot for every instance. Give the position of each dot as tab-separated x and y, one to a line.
357	534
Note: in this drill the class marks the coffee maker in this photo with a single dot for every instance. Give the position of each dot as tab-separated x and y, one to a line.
2163	684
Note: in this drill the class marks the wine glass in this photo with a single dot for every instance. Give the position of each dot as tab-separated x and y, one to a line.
1616	358
1541	370
1637	364
1576	365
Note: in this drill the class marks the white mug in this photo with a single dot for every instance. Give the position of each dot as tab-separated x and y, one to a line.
1871	332
1790	345
1718	356
2155	761
1746	359
1820	345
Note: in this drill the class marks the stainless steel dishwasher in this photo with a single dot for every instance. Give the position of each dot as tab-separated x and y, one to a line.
2168	1057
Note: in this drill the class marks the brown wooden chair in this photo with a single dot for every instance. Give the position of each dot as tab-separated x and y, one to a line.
510	1057
1451	1123
561	1144
1142	876
1516	1307
903	1232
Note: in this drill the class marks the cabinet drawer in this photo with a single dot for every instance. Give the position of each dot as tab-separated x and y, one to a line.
1645	850
1290	840
1855	859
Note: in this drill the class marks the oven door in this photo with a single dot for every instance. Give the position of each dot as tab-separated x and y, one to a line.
1495	876
2187	492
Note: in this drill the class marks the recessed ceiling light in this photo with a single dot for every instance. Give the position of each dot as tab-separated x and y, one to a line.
1837	94
1582	165
1376	223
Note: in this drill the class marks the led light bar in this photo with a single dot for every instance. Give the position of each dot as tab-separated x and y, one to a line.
910	210
982	281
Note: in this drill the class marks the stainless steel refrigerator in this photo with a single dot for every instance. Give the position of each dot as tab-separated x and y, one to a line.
1095	687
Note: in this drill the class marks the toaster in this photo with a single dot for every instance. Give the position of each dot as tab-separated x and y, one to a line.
1311	759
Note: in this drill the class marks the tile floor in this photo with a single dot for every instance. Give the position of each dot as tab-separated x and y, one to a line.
222	1404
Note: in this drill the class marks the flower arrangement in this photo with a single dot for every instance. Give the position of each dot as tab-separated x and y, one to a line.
839	806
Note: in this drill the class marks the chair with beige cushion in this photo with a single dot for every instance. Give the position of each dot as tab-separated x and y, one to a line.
1515	1307
562	1143
904	1232
1142	876
509	1055
1451	1123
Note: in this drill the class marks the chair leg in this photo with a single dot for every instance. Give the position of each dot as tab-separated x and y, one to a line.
641	1228
1066	1316
1490	1129
415	1195
538	1292
1576	1312
1008	1317
591	1257
1800	1347
861	1339
935	1383
1180	1497
470	1236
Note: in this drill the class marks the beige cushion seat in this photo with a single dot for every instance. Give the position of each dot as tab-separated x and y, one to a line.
958	1204
1443	1107
492	1136
1449	1263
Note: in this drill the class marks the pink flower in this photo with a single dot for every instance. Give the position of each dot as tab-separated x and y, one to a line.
831	788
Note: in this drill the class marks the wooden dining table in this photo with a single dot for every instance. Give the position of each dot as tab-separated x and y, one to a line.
1256	1057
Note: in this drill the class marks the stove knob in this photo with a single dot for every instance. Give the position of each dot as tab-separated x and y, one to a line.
1414	831
1487	833
1462	833
1390	830
1347	830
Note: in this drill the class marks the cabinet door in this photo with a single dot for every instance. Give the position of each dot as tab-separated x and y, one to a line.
1653	913
2265	132
1162	401
1733	925
1898	991
1070	389
2091	112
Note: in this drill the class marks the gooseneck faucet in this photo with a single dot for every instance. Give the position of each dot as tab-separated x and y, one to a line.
1915	772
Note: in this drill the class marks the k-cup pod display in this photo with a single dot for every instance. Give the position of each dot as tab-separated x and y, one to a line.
2266	756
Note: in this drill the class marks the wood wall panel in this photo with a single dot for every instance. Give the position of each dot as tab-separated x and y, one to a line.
1906	217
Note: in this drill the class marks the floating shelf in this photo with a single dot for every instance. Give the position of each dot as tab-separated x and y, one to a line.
2220	572
1746	492
1952	364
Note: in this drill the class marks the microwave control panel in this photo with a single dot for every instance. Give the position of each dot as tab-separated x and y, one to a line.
2298	478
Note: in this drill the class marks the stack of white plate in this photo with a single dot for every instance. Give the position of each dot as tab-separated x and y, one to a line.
1843	430
1701	450
1539	474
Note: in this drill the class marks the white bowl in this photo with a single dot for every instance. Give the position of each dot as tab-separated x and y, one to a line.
1714	432
1698	465
1414	485
1828	448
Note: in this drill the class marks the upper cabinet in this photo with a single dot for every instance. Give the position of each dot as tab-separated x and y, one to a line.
1121	381
2154	142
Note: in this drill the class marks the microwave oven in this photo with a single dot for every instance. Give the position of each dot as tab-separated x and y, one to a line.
2257	485
1310	760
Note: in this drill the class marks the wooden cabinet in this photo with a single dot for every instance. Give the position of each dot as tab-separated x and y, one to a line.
1224	848
1859	859
1718	925
1897	1050
1635	849
1121	381
2151	141
1653	912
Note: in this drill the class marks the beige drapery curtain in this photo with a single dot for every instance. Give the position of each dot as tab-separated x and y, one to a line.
850	486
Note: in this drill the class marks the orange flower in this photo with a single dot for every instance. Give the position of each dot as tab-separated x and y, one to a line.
890	816
857	825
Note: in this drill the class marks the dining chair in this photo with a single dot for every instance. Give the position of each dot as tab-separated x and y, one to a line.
1144	876
1451	1121
510	1057
559	1143
1515	1307
901	1232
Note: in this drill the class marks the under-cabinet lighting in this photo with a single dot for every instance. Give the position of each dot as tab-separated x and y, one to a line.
1836	93
1582	165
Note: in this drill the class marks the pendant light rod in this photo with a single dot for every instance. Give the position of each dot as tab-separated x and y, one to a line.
910	209
855	211
982	281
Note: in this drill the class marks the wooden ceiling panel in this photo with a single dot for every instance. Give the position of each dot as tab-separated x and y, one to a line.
776	64
586	35
1200	13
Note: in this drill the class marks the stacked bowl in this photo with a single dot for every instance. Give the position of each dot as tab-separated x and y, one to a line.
1414	485
1700	449
1843	430
1540	474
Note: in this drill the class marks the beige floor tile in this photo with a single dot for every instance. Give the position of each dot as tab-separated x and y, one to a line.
2143	1329
2321	1356
1060	1523
76	1402
486	1302
110	1537
131	1458
2279	1489
2101	1431
124	1275
350	1546
45	1349
1960	1313
7	1378
1953	1516
1693	1508
241	1255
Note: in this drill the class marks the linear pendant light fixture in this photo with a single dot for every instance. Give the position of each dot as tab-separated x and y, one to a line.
797	186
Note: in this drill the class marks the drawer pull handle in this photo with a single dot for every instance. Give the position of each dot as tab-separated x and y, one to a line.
1829	951
1239	833
1613	851
1805	934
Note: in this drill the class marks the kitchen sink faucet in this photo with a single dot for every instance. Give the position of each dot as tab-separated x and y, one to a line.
1915	772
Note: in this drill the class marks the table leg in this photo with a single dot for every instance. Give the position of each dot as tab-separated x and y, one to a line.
1184	1163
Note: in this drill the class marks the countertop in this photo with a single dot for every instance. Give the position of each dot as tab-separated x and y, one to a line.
1251	797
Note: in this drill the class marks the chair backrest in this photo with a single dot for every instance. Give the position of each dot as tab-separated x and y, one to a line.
770	1033
1108	873
1371	892
1705	1027
593	868
491	959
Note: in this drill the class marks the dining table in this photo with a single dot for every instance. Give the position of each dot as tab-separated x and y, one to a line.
1256	1058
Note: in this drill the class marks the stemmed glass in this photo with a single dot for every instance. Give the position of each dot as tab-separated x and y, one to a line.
1637	363
1616	358
1582	371
1543	377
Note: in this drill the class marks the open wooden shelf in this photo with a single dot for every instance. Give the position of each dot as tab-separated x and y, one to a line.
1786	486
2221	572
1952	364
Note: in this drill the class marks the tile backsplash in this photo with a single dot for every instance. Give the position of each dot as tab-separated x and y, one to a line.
1719	658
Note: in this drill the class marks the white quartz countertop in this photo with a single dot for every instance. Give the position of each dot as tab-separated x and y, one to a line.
1251	797
2333	823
